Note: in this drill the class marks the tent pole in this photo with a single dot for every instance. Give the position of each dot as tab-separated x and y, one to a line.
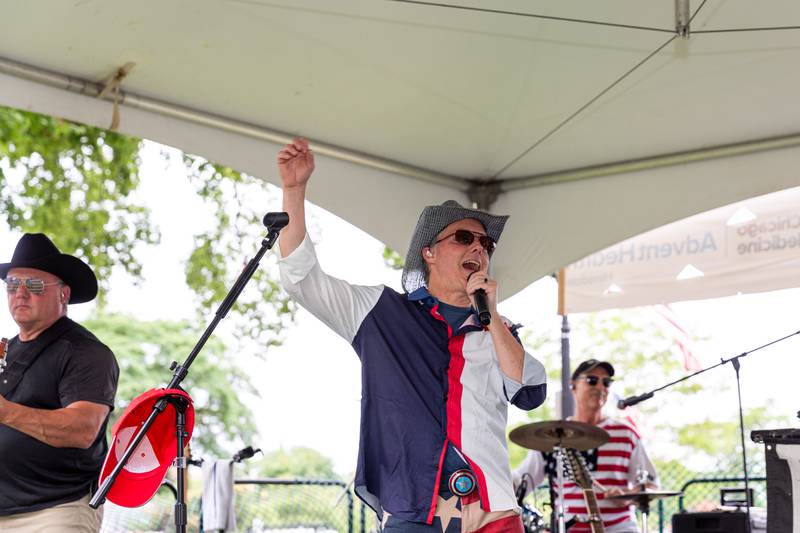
567	403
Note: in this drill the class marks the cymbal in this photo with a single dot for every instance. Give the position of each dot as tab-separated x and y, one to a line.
645	495
543	436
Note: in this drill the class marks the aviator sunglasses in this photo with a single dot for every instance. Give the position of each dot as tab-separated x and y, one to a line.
466	238
34	285
594	380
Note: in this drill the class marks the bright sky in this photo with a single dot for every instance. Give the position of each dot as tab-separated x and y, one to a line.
310	386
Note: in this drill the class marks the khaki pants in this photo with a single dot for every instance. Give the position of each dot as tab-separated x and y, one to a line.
72	517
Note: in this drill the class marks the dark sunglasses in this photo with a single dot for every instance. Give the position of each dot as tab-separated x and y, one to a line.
34	285
594	380
466	238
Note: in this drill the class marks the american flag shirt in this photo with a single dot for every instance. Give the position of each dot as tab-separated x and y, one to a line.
614	465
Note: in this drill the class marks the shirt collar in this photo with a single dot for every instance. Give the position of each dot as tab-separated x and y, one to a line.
422	295
430	301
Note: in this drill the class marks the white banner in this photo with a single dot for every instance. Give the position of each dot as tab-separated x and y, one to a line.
749	246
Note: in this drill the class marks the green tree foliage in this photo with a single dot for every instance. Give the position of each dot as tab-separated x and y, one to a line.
144	351
77	184
299	462
213	266
393	259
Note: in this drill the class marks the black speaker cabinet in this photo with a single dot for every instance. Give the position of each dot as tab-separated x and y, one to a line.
712	522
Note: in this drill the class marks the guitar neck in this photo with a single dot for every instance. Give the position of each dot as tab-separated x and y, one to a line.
595	519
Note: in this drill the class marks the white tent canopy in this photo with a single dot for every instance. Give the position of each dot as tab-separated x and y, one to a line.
585	133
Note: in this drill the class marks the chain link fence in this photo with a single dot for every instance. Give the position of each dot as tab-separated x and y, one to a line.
262	506
327	506
155	516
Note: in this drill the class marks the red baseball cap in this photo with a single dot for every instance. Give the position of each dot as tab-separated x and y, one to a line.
141	476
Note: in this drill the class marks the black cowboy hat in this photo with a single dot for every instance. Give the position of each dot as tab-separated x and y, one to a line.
35	250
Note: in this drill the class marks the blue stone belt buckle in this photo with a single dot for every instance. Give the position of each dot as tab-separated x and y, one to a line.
462	482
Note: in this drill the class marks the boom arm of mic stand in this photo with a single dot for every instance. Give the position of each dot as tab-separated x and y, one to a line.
632	400
180	371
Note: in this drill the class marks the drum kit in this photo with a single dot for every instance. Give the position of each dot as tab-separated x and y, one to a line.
565	437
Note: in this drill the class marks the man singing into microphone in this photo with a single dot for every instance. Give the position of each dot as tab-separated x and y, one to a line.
619	466
435	382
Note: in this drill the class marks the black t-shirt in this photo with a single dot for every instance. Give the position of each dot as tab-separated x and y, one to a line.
65	364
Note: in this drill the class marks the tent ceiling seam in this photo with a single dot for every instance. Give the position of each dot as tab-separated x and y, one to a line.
582	108
533	15
646	163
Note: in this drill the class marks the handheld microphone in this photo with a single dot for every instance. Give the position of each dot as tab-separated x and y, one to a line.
276	221
482	305
633	400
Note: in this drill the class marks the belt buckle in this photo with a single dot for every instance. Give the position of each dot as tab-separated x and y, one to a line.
462	482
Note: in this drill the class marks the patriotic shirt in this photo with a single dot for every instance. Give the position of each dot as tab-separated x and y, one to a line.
424	388
614	465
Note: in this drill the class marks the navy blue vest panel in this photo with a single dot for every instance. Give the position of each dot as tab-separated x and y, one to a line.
404	356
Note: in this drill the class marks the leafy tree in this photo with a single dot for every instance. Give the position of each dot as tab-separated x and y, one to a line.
298	462
144	351
393	259
212	267
76	183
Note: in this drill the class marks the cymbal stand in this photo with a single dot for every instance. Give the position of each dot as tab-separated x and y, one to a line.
274	222
560	477
643	503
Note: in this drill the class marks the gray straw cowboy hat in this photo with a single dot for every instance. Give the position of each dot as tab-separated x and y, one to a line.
432	221
35	250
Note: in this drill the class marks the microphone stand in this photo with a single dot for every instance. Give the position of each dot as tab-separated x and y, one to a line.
633	400
274	223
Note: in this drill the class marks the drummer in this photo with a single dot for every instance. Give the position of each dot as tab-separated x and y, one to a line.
619	466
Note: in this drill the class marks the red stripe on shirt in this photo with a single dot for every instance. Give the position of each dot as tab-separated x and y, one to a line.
602	481
621	427
621	440
614	453
611	468
432	512
604	510
585	527
454	390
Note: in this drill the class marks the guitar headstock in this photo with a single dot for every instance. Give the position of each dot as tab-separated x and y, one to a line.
577	469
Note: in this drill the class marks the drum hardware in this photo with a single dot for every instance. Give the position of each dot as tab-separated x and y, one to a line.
642	499
557	436
532	519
